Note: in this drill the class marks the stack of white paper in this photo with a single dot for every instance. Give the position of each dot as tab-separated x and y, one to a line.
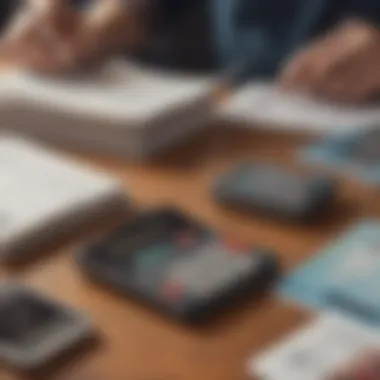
317	351
121	109
264	105
44	195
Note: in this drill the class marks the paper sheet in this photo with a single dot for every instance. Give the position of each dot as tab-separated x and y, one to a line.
354	154
117	91
120	109
341	276
264	104
38	188
316	351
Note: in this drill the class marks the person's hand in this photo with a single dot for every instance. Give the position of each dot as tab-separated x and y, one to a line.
344	66
41	35
108	28
50	37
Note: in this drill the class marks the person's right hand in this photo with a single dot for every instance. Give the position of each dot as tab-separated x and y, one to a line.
41	35
342	66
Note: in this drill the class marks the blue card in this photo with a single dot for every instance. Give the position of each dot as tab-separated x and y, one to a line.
344	277
354	153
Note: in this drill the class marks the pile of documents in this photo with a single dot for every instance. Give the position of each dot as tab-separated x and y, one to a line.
44	195
317	351
120	109
126	110
264	105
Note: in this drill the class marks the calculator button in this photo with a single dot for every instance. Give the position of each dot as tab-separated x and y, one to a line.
186	239
212	268
172	291
235	246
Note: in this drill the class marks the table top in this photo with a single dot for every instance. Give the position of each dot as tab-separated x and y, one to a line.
136	343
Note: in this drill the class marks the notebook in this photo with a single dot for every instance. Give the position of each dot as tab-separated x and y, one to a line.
44	195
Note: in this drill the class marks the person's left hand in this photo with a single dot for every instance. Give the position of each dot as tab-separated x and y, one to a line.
40	35
344	66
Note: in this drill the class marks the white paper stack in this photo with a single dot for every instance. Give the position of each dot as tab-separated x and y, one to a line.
263	105
121	110
316	351
44	195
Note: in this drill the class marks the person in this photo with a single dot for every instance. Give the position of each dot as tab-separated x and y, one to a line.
324	48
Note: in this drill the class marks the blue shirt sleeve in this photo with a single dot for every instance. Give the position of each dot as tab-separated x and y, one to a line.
170	11
367	10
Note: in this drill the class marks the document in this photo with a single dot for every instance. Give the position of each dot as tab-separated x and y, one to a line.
44	194
315	352
120	109
117	90
264	105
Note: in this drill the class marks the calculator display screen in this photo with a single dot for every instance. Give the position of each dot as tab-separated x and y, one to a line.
149	238
268	183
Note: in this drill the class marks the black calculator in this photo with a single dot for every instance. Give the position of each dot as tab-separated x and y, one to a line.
178	266
275	191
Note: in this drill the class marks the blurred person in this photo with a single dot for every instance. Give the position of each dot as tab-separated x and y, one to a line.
327	48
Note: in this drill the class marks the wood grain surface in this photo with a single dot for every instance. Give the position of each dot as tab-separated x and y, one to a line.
137	344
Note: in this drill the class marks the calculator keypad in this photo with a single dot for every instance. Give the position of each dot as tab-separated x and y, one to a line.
211	268
178	265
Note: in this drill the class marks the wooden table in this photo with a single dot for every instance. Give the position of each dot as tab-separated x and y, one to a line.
137	344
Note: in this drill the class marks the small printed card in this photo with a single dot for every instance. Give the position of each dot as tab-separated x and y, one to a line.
330	346
354	153
343	277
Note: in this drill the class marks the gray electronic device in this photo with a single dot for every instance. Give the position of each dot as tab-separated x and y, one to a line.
275	191
35	329
178	266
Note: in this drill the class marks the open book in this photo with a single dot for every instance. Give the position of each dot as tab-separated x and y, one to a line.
264	105
120	109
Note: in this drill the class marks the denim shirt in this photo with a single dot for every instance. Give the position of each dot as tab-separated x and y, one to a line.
264	33
260	33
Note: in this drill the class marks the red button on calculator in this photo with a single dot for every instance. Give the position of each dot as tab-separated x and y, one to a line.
186	239
236	246
172	291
